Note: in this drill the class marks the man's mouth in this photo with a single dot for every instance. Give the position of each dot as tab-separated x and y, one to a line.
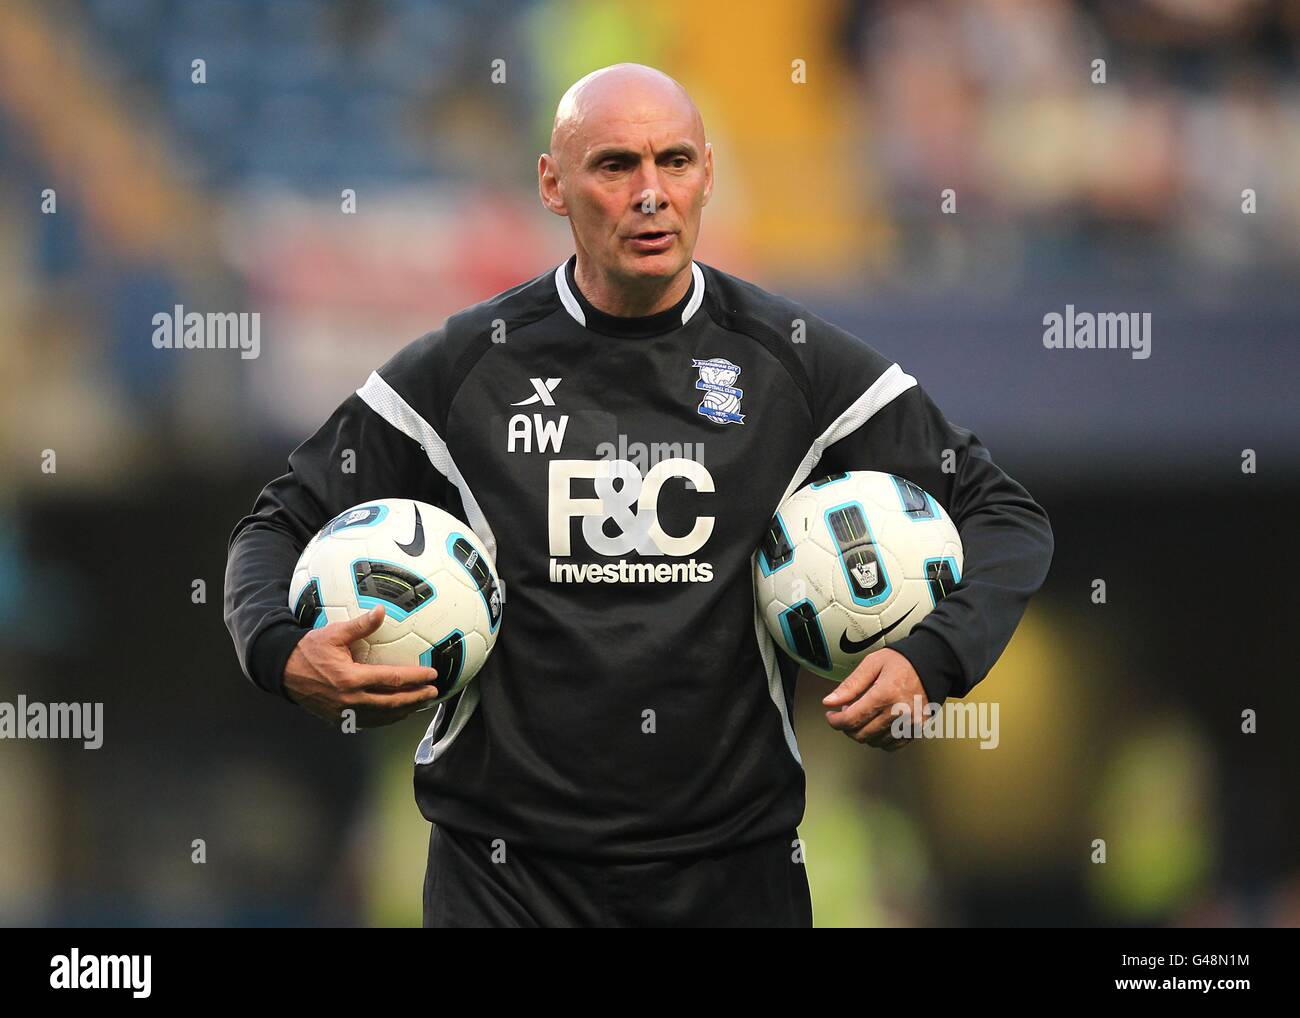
652	240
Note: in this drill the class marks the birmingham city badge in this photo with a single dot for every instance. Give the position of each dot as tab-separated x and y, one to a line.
721	403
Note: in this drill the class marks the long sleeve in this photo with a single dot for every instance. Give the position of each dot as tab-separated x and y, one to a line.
355	456
875	417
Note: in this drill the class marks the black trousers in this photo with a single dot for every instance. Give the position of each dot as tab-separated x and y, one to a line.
472	883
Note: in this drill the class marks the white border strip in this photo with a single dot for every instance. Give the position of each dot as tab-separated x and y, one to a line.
384	400
697	298
892	383
428	751
570	302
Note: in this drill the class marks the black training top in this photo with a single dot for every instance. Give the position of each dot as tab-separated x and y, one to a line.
622	472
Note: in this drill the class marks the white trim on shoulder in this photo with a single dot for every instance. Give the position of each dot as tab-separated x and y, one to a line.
893	382
384	400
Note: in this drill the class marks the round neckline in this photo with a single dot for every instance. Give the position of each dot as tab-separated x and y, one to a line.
637	327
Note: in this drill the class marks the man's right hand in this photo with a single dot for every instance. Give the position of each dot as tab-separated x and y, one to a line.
322	677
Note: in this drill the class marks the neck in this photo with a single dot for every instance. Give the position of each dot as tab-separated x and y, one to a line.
633	298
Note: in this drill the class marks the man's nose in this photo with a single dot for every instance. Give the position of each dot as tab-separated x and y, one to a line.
649	197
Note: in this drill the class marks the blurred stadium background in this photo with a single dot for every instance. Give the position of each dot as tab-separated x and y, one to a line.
1119	721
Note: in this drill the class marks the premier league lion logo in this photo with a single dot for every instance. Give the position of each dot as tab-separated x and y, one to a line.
721	403
866	574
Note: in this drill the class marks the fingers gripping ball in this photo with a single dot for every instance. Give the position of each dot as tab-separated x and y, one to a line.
432	574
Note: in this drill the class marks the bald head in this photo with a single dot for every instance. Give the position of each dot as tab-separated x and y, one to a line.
630	169
610	96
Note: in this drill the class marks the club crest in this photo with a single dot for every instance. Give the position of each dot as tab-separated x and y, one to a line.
721	403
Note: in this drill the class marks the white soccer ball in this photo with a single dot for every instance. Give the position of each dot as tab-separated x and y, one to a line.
850	564
431	573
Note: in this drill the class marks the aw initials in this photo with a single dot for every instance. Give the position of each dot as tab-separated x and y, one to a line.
550	434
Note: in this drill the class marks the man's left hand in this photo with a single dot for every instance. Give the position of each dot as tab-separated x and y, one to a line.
862	705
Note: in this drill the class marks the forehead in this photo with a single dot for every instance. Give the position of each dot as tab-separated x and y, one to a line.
633	117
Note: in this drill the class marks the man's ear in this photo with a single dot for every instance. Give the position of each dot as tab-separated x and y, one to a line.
549	187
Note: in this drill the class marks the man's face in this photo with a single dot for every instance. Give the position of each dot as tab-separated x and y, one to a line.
633	177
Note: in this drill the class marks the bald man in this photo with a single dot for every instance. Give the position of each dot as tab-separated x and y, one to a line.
619	432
